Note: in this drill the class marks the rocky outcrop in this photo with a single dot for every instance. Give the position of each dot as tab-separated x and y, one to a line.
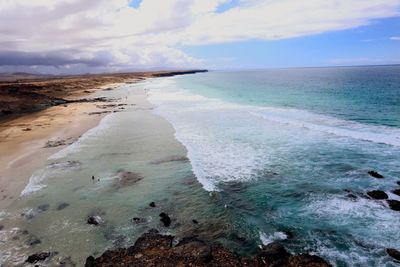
377	194
154	249
38	257
396	191
394	204
394	253
375	174
95	220
165	219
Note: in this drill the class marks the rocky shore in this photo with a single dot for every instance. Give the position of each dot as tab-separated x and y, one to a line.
155	249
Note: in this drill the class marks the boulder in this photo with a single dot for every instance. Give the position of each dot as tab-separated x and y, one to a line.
95	220
165	219
152	204
138	220
377	194
394	204
394	253
375	174
38	257
396	191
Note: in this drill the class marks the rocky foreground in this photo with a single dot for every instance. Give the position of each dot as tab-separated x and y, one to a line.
154	249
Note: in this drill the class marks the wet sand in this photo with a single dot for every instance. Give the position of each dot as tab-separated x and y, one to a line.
23	141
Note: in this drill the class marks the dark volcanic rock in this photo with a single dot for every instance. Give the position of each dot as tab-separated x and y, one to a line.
138	220
351	195
398	182
154	249
377	194
152	204
38	257
195	221
33	241
396	191
375	174
62	206
95	220
165	219
394	204
394	253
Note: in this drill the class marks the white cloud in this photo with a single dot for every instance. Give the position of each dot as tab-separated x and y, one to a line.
395	38
115	35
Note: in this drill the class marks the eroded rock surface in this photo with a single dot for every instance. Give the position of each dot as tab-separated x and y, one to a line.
154	249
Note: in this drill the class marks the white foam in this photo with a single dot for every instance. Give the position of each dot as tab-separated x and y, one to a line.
213	160
34	184
217	157
276	236
77	145
321	123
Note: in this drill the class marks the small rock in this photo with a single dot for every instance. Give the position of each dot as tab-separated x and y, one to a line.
394	204
152	204
138	220
377	194
95	220
394	253
352	196
43	208
38	257
27	129
398	182
165	219
195	221
1	227
62	206
90	261
396	191
375	174
33	241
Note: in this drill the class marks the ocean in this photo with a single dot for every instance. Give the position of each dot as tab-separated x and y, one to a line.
253	156
285	147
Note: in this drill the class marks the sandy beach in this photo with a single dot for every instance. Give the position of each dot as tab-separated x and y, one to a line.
28	137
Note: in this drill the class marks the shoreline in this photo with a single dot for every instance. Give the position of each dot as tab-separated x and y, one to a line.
76	115
28	139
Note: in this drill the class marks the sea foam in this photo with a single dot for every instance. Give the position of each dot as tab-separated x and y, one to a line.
221	137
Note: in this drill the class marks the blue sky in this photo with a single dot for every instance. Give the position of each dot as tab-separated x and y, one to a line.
74	36
371	44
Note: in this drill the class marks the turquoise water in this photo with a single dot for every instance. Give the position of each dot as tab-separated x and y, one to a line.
271	155
282	148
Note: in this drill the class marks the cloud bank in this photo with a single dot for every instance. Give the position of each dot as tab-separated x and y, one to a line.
113	35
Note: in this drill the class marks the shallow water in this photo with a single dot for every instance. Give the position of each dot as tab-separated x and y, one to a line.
270	155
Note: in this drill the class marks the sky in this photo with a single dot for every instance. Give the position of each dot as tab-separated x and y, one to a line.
82	36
